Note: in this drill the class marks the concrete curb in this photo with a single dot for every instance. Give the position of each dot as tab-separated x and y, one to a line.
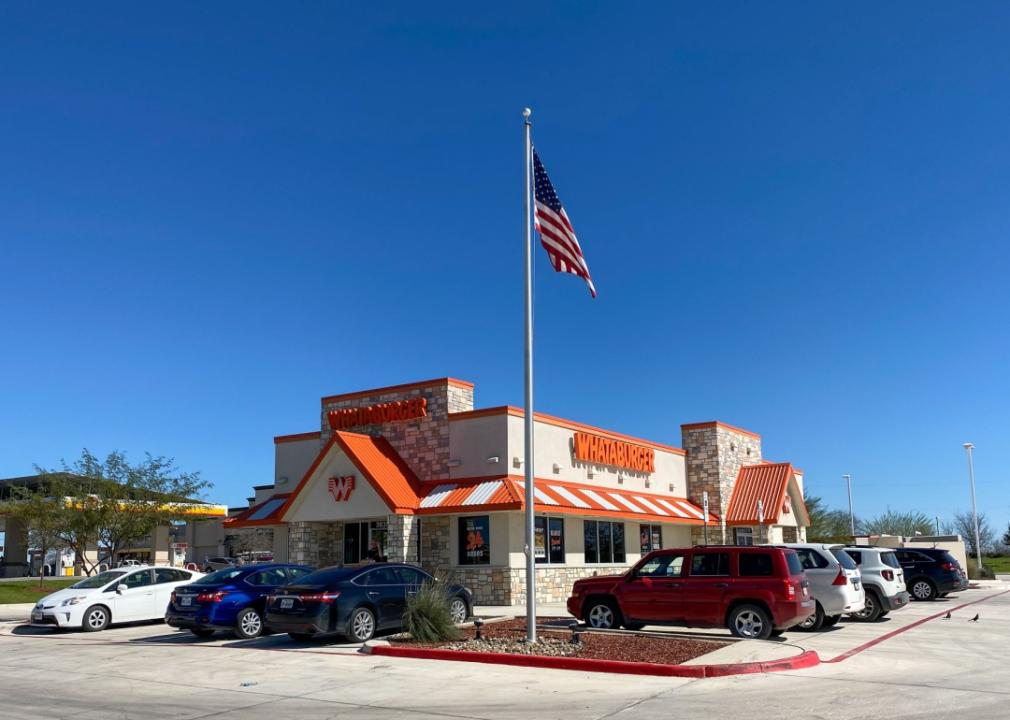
806	659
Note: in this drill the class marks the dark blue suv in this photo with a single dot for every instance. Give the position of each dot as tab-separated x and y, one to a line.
230	599
931	572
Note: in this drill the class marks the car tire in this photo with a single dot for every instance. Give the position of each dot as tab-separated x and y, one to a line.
300	637
777	633
814	622
633	626
831	620
202	632
248	624
922	589
602	614
361	625
458	611
872	609
943	594
750	622
96	618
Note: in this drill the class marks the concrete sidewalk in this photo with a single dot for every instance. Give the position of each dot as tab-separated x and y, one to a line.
15	612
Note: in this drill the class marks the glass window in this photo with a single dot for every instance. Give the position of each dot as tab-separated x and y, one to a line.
662	566
379	576
269	577
167	575
811	559
650	538
793	561
606	548
591	546
352	542
618	533
474	540
890	559
412	576
856	555
756	564
710	563
744	536
220	576
549	540
328	577
378	534
843	559
138	579
296	572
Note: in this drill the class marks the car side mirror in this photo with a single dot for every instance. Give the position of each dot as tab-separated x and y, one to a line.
120	589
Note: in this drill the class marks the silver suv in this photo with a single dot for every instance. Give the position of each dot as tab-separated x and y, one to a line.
834	583
883	580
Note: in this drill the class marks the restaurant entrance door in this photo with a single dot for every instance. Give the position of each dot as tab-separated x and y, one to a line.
366	540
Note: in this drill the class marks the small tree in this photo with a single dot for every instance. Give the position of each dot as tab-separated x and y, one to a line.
43	515
827	525
964	525
1006	537
899	523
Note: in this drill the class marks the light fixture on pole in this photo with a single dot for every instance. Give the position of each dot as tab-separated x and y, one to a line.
852	518
969	448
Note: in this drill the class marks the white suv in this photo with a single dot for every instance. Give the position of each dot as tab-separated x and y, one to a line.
835	583
883	580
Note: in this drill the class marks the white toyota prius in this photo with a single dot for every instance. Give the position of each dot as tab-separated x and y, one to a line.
114	596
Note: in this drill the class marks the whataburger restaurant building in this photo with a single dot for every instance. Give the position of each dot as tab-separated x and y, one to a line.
413	472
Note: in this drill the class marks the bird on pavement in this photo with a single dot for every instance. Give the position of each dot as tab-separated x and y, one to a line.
947	616
974	619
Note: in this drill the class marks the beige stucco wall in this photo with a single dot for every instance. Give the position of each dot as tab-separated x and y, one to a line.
315	503
291	460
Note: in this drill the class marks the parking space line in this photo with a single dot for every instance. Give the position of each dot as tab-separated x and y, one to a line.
867	645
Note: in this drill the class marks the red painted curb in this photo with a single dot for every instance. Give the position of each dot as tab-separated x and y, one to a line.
804	660
867	645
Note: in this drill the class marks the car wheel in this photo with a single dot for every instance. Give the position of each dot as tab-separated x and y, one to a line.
943	594
602	614
814	622
300	637
249	624
831	620
202	632
458	611
750	622
95	618
871	609
361	626
776	633
923	590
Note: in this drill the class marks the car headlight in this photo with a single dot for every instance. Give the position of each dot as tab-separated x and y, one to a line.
74	600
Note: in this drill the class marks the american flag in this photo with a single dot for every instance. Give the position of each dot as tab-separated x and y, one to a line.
556	232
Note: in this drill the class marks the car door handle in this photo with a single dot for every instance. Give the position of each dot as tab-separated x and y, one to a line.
372	593
720	585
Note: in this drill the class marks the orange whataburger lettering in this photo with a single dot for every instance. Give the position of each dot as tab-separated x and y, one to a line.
604	451
376	414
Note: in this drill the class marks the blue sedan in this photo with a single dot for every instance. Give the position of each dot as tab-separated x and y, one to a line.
231	599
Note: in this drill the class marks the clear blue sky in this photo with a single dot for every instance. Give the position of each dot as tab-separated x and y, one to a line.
796	218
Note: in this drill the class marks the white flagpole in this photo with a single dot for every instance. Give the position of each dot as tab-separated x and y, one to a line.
531	575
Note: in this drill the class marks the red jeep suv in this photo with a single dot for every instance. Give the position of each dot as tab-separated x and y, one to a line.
755	592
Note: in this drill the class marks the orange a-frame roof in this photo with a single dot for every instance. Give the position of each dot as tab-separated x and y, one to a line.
767	482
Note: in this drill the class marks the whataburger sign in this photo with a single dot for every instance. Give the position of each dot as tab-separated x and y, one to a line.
377	414
604	451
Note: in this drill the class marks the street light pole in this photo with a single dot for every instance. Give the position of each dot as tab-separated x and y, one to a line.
969	447
852	518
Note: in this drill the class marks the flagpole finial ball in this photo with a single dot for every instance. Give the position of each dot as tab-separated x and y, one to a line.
526	113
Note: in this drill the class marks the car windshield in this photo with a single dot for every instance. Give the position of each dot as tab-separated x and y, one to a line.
795	566
890	559
843	559
220	576
99	580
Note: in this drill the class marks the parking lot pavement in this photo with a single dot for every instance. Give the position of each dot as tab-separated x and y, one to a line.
939	669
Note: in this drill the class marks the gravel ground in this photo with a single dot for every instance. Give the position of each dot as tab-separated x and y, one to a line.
509	637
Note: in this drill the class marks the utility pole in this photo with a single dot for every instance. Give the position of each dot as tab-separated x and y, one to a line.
969	448
852	518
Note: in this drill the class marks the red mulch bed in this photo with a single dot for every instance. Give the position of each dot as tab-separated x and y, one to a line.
627	647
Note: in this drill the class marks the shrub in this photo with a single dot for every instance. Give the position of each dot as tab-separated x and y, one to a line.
427	617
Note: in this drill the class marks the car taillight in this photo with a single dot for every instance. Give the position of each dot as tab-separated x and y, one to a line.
211	597
790	590
172	598
325	598
887	574
840	579
948	566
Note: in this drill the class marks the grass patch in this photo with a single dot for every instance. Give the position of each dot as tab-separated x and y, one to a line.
997	564
28	590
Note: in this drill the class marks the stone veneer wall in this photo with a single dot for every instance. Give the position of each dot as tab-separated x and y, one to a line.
423	443
435	550
401	539
316	544
507	586
254	539
715	454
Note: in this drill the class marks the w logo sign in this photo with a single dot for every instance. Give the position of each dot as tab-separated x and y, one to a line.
340	488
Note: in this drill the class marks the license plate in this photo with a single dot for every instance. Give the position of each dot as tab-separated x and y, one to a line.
855	585
287	604
37	615
185	600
